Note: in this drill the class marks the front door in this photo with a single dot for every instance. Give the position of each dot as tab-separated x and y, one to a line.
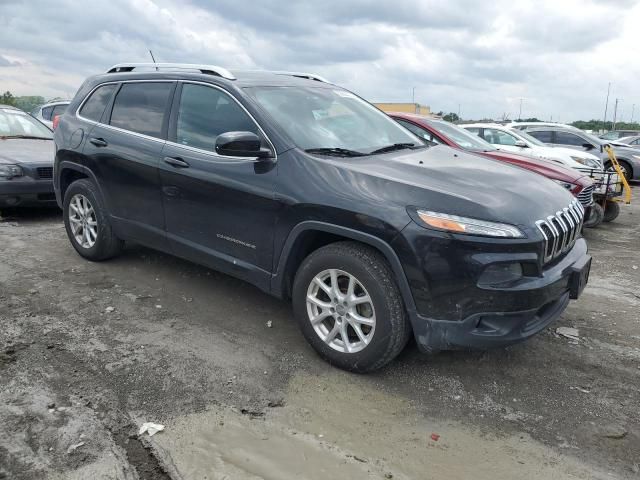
219	210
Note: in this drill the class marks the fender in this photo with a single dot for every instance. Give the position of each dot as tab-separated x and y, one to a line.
278	278
69	165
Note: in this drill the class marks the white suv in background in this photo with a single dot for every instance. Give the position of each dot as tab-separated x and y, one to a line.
510	140
46	113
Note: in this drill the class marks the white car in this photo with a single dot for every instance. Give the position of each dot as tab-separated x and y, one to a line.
508	139
525	125
47	112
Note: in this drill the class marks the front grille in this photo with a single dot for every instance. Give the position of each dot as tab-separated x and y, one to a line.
585	197
45	172
560	231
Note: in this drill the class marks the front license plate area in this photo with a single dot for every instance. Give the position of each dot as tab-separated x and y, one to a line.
579	278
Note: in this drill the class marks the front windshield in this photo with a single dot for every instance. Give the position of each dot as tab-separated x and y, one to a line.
529	138
330	118
16	123
464	139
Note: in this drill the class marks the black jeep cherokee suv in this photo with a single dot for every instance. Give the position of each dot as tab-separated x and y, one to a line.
309	192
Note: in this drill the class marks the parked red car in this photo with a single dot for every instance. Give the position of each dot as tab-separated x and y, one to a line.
445	133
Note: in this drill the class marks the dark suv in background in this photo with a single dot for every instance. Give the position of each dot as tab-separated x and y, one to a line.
310	193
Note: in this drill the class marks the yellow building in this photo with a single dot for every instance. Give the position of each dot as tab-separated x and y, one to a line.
404	107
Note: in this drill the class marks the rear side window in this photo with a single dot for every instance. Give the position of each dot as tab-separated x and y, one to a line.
141	107
46	113
566	138
58	110
207	112
544	136
94	107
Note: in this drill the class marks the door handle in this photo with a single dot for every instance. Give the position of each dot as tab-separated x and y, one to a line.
98	142
176	162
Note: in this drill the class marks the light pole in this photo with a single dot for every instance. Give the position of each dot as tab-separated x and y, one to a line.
520	112
633	109
606	106
615	114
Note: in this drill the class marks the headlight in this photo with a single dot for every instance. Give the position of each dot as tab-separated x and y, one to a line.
587	161
567	185
471	226
10	171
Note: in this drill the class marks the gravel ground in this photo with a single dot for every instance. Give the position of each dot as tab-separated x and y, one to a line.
90	351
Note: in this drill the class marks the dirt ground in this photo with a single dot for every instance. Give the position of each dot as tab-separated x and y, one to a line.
90	351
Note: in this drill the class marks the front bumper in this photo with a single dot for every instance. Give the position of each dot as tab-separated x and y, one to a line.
26	192
453	311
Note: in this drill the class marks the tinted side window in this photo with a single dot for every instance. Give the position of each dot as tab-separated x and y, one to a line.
566	138
420	132
141	107
58	110
205	113
97	102
46	113
544	135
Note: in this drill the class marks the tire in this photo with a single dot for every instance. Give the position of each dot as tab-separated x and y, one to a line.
611	211
595	217
102	243
379	343
624	165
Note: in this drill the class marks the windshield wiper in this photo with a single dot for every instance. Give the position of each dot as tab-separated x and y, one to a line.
395	146
335	151
28	137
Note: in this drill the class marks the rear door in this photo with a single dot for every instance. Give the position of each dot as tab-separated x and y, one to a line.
219	210
124	150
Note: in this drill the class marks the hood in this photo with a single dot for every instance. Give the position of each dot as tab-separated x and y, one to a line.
452	181
552	170
573	153
625	150
27	151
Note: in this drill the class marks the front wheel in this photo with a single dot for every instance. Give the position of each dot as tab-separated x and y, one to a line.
349	307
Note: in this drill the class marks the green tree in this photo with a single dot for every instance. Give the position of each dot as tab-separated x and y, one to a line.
7	98
29	102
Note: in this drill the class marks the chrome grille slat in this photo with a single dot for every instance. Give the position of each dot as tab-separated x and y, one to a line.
560	231
586	196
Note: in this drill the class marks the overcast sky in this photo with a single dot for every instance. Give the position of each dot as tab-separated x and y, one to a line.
484	55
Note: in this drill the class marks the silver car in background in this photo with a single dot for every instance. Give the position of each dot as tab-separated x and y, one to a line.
47	112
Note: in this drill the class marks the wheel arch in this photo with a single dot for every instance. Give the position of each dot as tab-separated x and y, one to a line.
308	236
67	173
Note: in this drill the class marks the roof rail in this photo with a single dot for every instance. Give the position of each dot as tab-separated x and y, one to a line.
310	76
209	69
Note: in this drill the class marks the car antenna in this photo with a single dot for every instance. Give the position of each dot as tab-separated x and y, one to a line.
152	58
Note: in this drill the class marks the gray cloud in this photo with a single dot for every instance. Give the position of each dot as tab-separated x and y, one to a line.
482	55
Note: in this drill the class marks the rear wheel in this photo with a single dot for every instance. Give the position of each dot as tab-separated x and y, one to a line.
349	307
611	211
595	217
87	222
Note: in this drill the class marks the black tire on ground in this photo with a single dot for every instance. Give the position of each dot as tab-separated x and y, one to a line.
594	217
611	211
107	244
392	328
628	171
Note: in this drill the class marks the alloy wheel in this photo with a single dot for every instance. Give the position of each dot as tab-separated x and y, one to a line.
341	311
83	221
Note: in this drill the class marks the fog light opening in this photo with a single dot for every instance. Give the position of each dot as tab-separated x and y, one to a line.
499	274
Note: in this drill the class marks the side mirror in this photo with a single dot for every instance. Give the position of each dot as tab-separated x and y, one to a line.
521	144
587	146
241	144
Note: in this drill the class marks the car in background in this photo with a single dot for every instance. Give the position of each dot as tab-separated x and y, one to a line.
617	134
525	125
516	141
632	141
26	160
47	112
441	132
628	157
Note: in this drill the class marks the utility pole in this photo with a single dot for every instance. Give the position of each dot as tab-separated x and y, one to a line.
606	106
413	99
633	108
615	114
520	113
459	112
